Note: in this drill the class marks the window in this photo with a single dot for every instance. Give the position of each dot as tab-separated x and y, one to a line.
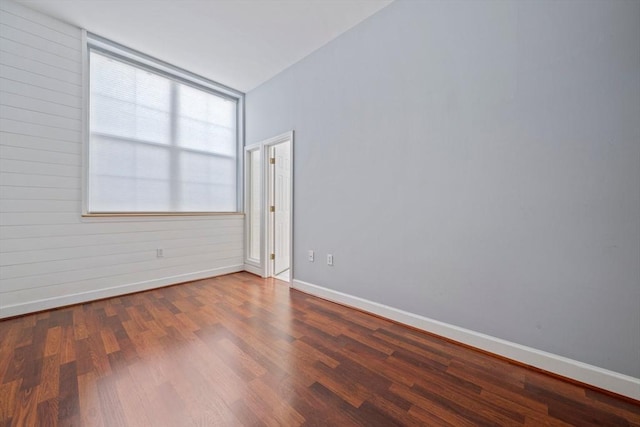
158	143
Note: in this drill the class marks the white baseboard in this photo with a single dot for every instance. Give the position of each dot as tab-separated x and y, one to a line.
602	378
255	270
80	297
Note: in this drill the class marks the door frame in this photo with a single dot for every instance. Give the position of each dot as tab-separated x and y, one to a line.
265	267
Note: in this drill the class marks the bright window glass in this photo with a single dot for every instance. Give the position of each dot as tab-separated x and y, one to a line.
158	144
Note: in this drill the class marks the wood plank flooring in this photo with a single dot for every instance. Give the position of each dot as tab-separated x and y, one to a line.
240	350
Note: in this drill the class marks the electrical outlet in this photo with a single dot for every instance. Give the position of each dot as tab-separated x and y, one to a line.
310	256
329	259
159	253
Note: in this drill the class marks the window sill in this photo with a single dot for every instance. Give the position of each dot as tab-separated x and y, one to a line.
149	216
138	214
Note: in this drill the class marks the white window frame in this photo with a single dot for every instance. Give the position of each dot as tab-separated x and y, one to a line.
93	41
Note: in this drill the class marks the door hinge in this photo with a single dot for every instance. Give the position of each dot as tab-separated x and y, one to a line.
272	208
273	256
272	160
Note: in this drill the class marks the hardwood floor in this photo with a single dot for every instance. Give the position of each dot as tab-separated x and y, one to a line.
240	350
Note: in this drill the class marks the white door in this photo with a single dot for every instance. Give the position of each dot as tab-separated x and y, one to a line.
282	210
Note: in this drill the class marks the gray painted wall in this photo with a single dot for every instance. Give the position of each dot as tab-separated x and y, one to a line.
477	163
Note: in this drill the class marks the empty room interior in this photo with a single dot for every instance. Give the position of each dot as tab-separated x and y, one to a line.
320	212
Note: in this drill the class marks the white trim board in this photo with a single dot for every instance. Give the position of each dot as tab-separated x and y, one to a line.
80	297
258	271
602	378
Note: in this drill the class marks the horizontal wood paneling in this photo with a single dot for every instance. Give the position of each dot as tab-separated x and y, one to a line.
36	129
34	193
19	11
38	92
48	251
27	52
33	78
42	243
38	42
113	249
26	270
45	119
39	67
28	180
43	150
39	168
36	29
39	105
110	282
20	218
116	225
173	258
12	205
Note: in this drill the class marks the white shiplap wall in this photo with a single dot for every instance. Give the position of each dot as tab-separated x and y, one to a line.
49	255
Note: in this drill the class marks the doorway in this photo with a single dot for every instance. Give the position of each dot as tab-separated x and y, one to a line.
269	207
280	209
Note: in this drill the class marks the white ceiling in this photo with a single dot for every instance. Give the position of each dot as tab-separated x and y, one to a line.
239	43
